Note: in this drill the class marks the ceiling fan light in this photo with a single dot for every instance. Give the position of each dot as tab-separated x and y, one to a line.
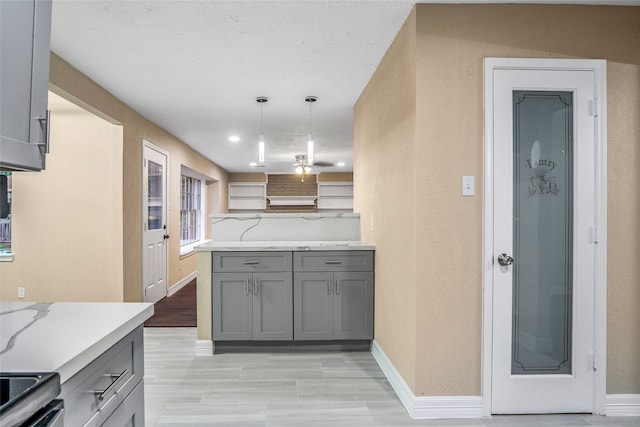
299	170
307	169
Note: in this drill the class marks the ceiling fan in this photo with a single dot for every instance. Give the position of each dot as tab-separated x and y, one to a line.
303	165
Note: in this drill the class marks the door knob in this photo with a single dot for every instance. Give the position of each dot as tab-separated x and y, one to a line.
505	260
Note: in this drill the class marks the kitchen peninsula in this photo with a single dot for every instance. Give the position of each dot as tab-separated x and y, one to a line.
285	280
97	349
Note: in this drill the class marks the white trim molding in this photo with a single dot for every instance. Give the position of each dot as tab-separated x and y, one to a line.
426	407
182	283
204	348
623	405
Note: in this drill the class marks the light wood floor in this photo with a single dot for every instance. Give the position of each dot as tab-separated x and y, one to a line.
289	390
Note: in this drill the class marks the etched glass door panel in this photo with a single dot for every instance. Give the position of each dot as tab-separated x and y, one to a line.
542	232
543	155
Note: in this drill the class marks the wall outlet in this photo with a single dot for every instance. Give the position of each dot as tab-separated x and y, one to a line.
468	186
21	293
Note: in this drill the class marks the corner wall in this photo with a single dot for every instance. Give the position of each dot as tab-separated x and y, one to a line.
443	248
67	220
385	195
73	85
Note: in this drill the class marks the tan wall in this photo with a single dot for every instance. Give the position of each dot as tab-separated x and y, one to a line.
384	195
248	177
67	220
452	41
74	85
335	177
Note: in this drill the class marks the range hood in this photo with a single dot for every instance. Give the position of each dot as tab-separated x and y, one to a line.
292	200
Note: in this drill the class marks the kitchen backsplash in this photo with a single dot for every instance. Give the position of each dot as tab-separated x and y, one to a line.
292	185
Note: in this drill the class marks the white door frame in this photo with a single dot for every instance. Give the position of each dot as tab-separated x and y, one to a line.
600	262
146	143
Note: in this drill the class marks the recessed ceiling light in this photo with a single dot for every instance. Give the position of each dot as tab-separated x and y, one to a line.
341	164
253	164
234	138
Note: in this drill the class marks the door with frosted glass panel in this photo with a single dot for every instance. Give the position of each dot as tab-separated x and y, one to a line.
543	275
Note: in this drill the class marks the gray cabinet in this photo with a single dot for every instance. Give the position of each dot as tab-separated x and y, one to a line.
25	31
109	390
252	300
333	295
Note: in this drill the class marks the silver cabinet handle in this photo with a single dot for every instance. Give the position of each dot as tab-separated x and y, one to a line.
256	282
337	286
251	263
329	262
117	379
329	287
246	286
45	124
505	260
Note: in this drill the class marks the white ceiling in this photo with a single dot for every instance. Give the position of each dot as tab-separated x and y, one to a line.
195	68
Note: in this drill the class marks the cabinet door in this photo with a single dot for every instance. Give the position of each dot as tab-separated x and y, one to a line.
232	307
313	306
25	28
130	413
272	307
353	306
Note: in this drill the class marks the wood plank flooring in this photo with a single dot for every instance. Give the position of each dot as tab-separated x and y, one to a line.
178	310
289	390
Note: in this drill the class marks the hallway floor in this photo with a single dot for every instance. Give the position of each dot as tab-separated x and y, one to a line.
290	390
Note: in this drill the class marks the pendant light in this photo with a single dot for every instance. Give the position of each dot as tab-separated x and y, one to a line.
261	100
310	100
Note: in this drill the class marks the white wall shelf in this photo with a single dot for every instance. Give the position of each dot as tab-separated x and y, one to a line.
335	196
247	196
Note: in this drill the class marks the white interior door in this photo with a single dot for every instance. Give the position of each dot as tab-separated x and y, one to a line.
544	155
154	212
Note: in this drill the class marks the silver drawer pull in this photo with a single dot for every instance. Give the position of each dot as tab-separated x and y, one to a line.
117	379
251	263
333	262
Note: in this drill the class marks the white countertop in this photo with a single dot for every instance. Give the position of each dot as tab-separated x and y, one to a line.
63	337
285	246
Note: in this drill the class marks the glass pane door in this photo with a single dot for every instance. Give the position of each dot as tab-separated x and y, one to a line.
154	202
542	232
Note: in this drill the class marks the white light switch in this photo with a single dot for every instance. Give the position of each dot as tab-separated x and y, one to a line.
468	185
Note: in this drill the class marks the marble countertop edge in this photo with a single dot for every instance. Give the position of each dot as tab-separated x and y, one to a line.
231	246
63	337
73	366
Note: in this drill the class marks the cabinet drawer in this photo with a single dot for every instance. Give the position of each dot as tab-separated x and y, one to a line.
333	261
130	413
95	392
251	261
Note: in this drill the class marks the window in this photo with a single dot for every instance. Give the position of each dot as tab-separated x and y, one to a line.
191	210
5	216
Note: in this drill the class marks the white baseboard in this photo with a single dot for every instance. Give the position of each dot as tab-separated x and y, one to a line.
204	348
426	407
623	405
181	284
